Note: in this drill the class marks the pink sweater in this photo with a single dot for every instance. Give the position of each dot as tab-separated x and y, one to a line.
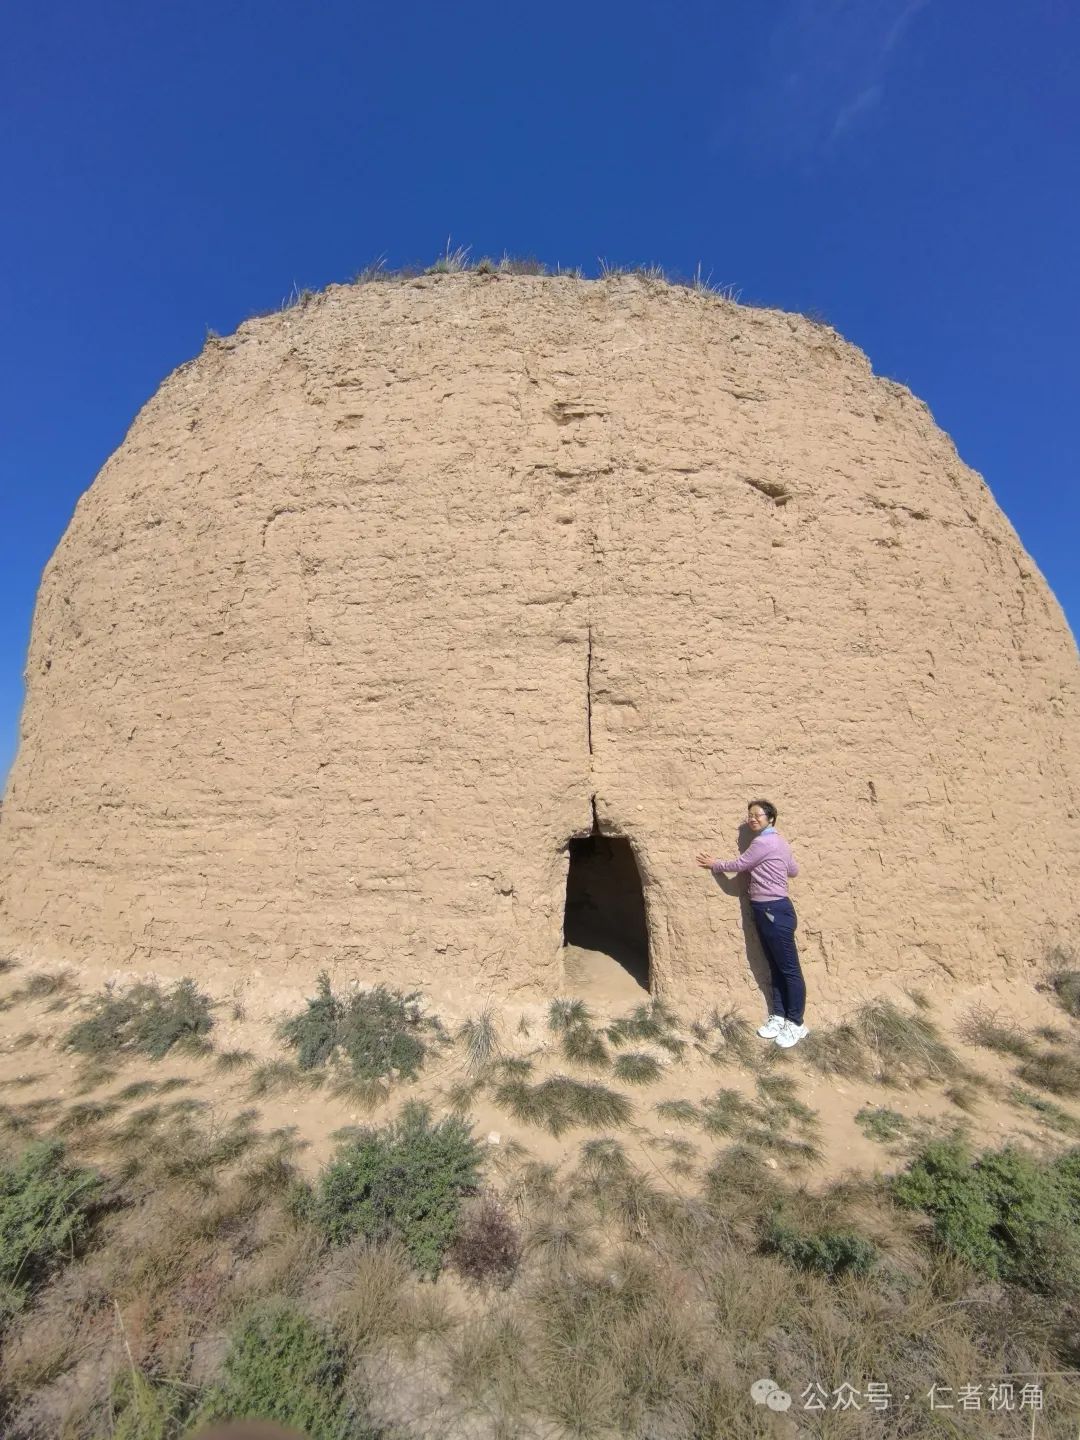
769	859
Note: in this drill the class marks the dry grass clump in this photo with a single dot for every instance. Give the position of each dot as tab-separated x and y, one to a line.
779	1091
740	1187
276	1077
451	262
885	1044
559	1235
86	1115
907	1047
882	1124
560	1102
683	1111
360	1091
1063	979
26	1120
381	1299
1051	1114
479	1038
487	1248
637	1068
1054	1069
964	1095
982	1027
564	1014
582	1045
180	1142
137	1090
729	1039
762	1124
229	1060
837	1050
461	1095
56	986
652	1022
621	1193
619	1349
726	1112
486	1361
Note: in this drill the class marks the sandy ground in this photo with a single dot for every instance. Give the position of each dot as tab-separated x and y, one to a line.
41	1082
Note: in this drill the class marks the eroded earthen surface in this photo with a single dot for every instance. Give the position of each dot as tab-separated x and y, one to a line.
381	594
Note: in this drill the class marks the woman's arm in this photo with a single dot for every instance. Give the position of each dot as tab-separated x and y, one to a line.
751	856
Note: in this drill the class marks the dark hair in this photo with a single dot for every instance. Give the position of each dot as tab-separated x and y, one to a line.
767	806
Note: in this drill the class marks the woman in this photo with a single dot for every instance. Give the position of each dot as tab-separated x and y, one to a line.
770	862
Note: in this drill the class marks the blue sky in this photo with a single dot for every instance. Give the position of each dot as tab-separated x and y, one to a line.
906	169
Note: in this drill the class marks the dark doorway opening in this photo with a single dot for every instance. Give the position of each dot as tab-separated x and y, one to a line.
605	904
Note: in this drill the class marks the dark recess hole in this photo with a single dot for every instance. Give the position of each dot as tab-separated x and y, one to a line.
605	904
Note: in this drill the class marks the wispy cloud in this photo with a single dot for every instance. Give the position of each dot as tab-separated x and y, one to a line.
825	70
850	112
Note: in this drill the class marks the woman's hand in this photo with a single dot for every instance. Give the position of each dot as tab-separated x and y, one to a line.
706	861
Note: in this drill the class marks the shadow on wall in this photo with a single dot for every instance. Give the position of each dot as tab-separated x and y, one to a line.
736	886
605	904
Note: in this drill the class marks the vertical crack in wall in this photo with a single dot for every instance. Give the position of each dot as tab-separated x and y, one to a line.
588	693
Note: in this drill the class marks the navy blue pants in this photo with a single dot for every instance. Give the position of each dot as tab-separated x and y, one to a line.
776	922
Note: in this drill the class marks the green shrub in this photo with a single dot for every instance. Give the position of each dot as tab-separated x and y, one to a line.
378	1031
1066	1171
45	1208
145	1019
829	1252
406	1181
281	1366
942	1182
1006	1214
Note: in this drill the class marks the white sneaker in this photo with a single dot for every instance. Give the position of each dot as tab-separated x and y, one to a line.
772	1027
790	1034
